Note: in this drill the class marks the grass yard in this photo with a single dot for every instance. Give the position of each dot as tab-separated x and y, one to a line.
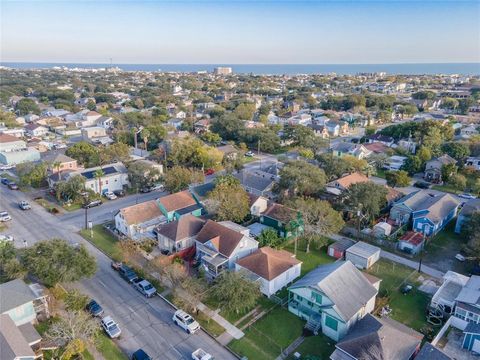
263	302
108	348
269	336
408	309
380	173
311	259
446	188
103	240
320	346
72	206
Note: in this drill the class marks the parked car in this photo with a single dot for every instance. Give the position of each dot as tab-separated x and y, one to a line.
127	273
201	354
249	154
467	196
110	195
4	237
116	265
24	205
94	308
422	185
119	193
5	216
145	189
7	167
111	327
158	187
5	181
460	257
92	204
186	322
140	355
12	186
209	172
144	287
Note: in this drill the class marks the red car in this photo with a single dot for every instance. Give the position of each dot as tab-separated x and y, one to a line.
209	172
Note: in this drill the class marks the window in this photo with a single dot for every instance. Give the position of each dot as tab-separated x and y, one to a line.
309	303
298	297
331	323
460	313
317	297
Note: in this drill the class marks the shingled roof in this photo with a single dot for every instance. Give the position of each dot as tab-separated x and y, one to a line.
223	238
13	294
185	227
268	263
140	213
177	201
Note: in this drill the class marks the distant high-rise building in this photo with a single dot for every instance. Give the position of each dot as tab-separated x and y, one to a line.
222	70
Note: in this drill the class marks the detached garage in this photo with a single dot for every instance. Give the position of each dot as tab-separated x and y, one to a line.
338	248
362	255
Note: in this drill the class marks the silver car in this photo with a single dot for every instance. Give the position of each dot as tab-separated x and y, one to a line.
111	327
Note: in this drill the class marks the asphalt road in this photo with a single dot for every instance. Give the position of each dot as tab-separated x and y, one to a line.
145	323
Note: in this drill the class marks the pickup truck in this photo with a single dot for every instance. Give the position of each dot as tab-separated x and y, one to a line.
201	354
127	273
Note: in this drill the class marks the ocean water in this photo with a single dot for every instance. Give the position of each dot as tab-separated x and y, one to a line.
279	69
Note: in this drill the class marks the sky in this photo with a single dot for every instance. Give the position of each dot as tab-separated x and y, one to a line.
240	32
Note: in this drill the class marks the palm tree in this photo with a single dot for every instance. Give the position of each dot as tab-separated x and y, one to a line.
98	175
56	165
145	135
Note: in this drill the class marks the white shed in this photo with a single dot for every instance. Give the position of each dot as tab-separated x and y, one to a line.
362	255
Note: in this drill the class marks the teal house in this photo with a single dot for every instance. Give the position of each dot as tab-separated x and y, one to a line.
181	203
471	341
332	298
288	222
17	301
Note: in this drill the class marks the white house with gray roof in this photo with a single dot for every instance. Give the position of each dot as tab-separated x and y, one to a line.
333	298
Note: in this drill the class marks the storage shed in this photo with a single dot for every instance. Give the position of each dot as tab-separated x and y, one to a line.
362	255
338	248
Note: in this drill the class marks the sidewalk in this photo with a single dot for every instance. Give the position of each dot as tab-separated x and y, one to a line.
399	259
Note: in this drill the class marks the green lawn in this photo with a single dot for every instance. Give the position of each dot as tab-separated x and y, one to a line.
269	336
108	348
263	302
103	240
72	207
408	309
209	325
381	173
446	188
320	346
312	259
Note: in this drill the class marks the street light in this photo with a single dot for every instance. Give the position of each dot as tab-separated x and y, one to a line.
85	205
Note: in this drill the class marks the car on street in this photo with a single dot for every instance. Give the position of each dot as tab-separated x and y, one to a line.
186	322
92	204
159	187
249	154
116	265
24	205
111	327
422	185
119	193
140	354
110	195
127	273
12	186
467	196
5	181
5	216
145	189
144	287
4	237
201	354
94	308
460	257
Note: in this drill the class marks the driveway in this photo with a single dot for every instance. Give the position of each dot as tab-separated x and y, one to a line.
145	323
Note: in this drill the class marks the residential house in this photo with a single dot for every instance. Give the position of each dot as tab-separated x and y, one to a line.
35	130
395	162
332	298
273	268
220	244
16	342
93	132
258	204
433	168
429	210
473	162
342	184
376	148
202	126
468	131
379	138
17	300
105	122
338	248
179	235
362	254
346	148
443	301
256	182
176	205
337	128
139	220
392	196
15	151
430	352
411	242
319	130
381	230
58	162
16	132
229	152
99	179
468	209
376	338
83	118
286	221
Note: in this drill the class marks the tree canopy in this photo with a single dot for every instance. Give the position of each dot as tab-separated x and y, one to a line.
300	178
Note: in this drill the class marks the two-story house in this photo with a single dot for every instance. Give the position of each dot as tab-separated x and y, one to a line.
346	148
342	184
15	151
36	130
288	222
220	244
333	297
433	168
58	162
176	205
429	210
139	220
178	235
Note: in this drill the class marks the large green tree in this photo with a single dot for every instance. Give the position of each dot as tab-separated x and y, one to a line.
397	178
85	153
228	201
179	178
366	198
300	178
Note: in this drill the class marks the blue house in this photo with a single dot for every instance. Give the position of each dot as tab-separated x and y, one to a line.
428	210
471	341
